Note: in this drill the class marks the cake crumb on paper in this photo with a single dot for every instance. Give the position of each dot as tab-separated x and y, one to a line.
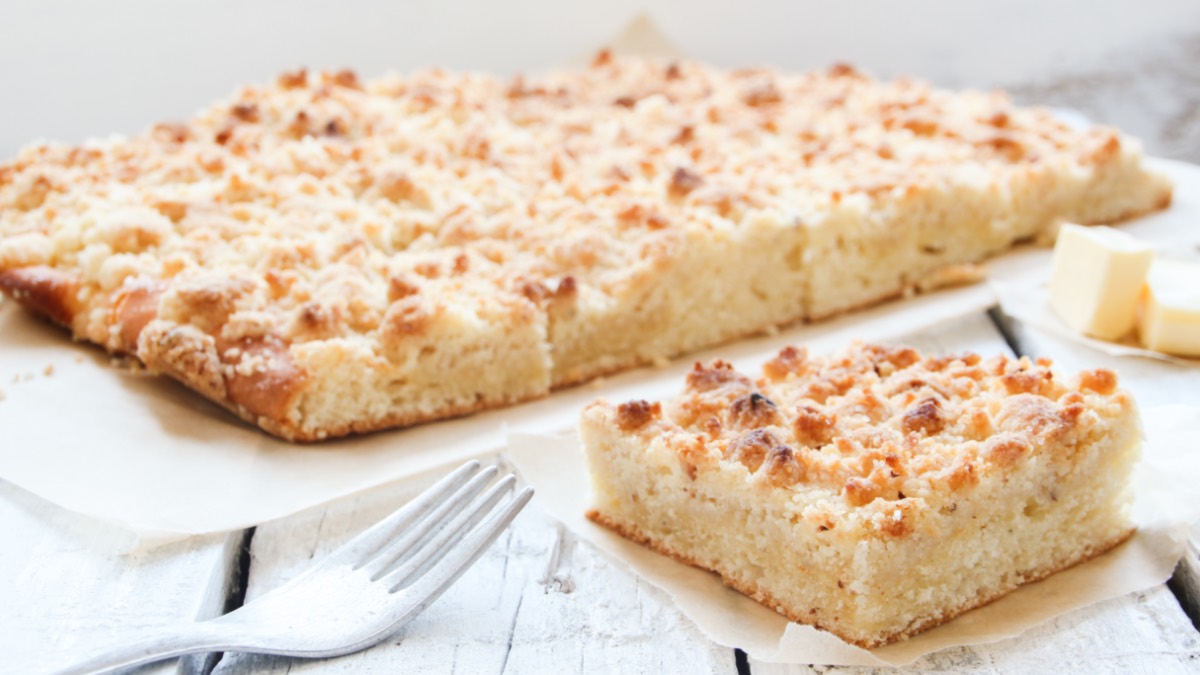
49	370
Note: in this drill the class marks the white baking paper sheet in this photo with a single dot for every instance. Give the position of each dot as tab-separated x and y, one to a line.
1167	504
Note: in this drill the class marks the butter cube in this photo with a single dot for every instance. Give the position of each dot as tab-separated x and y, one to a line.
1096	279
1170	316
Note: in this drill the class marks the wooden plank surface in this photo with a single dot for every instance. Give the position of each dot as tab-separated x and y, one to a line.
67	586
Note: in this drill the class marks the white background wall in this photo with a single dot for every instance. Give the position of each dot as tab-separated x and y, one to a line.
75	68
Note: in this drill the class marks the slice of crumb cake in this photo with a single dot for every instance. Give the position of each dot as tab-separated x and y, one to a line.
877	492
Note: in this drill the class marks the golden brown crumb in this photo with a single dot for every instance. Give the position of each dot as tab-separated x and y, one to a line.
346	78
762	95
1101	381
752	411
637	414
684	180
790	360
295	79
751	447
926	417
781	467
718	374
603	57
813	427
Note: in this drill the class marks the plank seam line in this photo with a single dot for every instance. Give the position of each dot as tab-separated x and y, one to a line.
235	588
1003	323
512	630
741	662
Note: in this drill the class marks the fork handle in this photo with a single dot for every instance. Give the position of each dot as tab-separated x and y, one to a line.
165	644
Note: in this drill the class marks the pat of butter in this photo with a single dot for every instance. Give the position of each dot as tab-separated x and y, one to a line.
1097	276
1170	317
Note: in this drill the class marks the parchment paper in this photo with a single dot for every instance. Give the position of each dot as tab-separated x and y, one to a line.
1166	505
641	37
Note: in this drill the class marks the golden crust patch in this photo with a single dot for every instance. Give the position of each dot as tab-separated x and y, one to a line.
45	290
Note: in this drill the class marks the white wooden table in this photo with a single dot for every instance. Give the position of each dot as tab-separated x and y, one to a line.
539	601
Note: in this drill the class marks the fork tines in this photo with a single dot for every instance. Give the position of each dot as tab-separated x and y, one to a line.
429	542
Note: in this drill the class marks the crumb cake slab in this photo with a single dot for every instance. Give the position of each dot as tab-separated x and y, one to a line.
874	493
325	256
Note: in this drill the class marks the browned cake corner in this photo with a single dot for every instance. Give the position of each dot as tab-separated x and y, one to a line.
324	255
874	493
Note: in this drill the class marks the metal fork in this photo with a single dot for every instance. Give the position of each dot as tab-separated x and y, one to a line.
359	594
